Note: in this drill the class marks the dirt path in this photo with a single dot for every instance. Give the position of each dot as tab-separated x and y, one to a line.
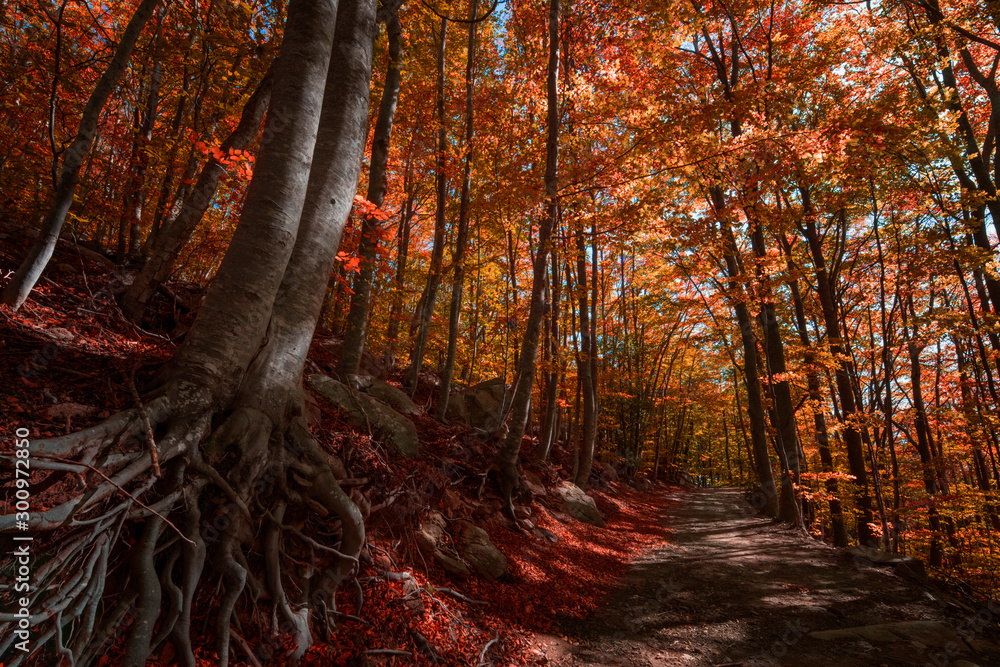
727	588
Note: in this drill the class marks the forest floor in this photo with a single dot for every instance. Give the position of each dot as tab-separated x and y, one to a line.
728	588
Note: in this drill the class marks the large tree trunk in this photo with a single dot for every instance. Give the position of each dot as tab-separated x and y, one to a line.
31	268
507	454
357	317
781	395
240	367
462	233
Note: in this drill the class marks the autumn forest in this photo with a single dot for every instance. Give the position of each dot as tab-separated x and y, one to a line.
662	244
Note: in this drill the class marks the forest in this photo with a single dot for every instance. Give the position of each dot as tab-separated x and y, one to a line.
285	281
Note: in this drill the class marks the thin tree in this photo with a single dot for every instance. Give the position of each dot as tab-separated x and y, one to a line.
462	232
507	454
425	308
378	185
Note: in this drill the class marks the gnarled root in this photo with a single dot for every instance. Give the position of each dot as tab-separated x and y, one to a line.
248	487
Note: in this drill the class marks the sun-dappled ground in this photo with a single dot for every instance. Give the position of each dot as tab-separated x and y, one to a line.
729	588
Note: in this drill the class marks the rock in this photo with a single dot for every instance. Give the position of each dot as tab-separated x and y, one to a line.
411	595
392	396
642	485
478	551
579	505
367	412
484	401
59	333
432	539
458	411
904	566
478	406
534	483
929	633
547	534
608	473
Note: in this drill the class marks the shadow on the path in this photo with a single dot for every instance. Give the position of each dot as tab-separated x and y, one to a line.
733	589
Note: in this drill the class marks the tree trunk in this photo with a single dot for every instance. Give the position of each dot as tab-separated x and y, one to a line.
755	401
357	318
426	311
551	417
462	233
31	268
402	251
781	395
507	455
852	436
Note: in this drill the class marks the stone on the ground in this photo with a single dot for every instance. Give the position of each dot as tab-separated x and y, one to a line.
579	505
533	483
546	534
478	406
432	538
392	396
608	473
457	412
642	485
366	412
479	552
411	595
929	633
906	566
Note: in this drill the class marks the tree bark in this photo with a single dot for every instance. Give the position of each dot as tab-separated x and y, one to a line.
507	454
357	317
462	233
429	298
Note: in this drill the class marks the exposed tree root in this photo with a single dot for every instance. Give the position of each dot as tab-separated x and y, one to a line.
227	495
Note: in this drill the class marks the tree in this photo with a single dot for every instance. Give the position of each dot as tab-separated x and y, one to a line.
226	416
507	454
357	317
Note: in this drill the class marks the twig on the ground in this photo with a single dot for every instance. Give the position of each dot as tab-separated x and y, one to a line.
151	441
251	658
461	597
482	654
388	651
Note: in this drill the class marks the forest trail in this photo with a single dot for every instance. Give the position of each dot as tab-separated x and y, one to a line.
728	588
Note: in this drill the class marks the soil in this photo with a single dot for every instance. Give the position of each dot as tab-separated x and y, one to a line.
727	588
